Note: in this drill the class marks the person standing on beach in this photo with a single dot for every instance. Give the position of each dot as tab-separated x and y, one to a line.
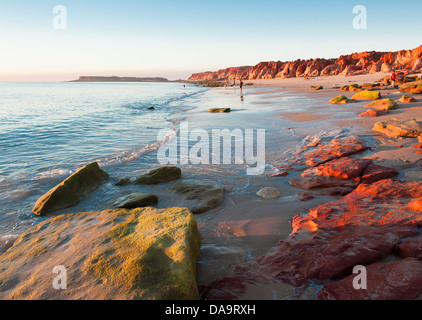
393	79
241	86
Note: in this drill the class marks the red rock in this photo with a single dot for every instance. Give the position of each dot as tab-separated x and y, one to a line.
399	280
315	182
373	113
375	173
281	174
345	168
380	203
411	248
353	64
304	196
315	154
419	146
336	192
327	254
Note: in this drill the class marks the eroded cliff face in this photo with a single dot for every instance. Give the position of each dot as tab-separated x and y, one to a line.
353	64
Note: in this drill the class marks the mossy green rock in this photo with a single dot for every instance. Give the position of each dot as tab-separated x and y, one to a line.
397	127
138	200
206	196
408	87
383	104
160	175
316	87
220	110
367	95
138	254
417	90
340	100
72	190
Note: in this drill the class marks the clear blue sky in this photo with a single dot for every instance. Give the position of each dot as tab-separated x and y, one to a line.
176	38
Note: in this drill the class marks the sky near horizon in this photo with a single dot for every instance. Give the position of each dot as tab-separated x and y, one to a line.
174	39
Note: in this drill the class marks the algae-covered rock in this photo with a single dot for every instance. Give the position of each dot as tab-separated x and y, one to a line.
219	110
316	87
407	99
119	254
382	104
408	87
160	175
71	191
397	127
206	196
340	100
367	95
138	200
417	90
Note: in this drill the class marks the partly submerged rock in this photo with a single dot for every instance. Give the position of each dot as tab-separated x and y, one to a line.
399	280
399	127
206	196
382	104
380	203
138	200
72	190
160	175
407	99
120	254
317	182
219	110
269	193
123	182
367	95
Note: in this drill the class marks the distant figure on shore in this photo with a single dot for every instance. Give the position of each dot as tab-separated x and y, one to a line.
241	86
393	79
184	87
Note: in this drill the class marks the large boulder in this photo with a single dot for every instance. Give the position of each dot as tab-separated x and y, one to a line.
205	197
398	127
71	191
160	175
383	105
367	95
119	254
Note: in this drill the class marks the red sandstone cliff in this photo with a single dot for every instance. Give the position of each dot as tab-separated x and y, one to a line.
353	64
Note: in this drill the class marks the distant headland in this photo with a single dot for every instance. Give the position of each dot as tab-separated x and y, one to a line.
119	79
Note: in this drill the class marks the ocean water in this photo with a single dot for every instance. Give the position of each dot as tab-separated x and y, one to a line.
49	130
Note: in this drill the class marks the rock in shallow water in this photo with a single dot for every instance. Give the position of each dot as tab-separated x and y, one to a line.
160	175
269	193
120	254
71	191
206	196
138	200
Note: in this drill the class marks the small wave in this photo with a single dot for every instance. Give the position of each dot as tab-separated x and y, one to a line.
6	242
